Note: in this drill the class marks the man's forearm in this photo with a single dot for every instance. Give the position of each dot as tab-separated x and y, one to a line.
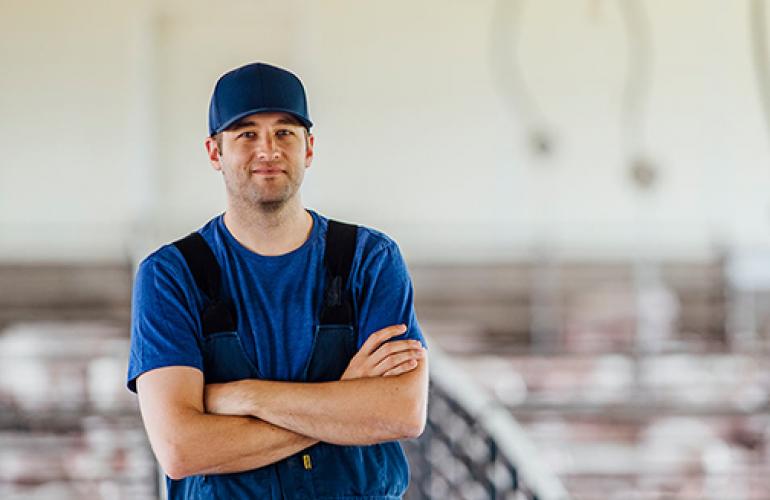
251	444
348	412
218	444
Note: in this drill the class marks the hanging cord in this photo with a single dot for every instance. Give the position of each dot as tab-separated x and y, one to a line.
636	90
505	67
759	50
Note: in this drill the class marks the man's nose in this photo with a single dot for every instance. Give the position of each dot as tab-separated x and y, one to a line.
266	149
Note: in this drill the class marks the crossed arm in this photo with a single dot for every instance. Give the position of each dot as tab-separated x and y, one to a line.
252	423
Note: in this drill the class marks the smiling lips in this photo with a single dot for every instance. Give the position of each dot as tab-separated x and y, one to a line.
267	171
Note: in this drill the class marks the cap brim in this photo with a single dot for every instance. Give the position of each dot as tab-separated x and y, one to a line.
305	122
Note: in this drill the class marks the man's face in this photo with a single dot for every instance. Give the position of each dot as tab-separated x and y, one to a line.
263	158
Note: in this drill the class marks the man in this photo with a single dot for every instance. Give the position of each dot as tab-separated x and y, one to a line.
276	353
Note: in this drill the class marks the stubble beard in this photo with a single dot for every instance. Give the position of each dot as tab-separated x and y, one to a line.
261	199
271	207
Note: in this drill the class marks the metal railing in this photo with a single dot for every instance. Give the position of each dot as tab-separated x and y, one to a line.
472	447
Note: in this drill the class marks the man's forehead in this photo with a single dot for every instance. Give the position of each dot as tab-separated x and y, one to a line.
264	119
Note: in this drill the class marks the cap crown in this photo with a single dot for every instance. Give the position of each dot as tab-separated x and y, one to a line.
256	88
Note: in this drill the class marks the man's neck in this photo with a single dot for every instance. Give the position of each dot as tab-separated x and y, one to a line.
270	233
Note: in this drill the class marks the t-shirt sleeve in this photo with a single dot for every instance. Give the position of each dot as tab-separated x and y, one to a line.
386	294
163	320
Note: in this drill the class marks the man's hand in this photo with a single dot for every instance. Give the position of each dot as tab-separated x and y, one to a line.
378	358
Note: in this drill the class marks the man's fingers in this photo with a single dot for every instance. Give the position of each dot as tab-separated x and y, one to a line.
376	339
402	368
397	359
391	348
378	356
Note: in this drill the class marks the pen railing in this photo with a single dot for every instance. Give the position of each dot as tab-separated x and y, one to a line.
472	447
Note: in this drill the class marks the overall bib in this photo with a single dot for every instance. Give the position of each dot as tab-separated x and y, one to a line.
324	470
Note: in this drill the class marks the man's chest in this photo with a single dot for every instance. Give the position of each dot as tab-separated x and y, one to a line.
277	311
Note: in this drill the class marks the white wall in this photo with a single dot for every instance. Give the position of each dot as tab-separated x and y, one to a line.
103	112
64	96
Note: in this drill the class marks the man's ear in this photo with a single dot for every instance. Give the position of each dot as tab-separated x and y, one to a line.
309	150
212	149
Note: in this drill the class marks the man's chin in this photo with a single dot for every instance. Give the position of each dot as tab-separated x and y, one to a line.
271	206
270	200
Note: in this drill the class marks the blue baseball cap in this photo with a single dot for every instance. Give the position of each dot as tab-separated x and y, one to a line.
256	88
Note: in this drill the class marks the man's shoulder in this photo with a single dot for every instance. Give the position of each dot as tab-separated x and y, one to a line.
368	240
167	259
373	241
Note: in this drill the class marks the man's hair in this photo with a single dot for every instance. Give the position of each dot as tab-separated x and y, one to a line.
218	136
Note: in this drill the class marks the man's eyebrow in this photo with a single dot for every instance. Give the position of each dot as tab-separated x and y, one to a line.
287	120
240	124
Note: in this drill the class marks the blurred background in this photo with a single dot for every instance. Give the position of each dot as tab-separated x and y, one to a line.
580	189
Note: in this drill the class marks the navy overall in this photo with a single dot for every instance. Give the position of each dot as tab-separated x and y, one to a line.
324	470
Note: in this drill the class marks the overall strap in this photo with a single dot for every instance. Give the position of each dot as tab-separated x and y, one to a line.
217	314
338	258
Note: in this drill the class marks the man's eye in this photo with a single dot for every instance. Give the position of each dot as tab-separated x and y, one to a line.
247	135
283	132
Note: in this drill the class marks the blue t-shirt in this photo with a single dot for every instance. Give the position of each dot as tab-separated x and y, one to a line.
278	300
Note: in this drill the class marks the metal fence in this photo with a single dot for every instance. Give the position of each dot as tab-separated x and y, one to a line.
472	448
